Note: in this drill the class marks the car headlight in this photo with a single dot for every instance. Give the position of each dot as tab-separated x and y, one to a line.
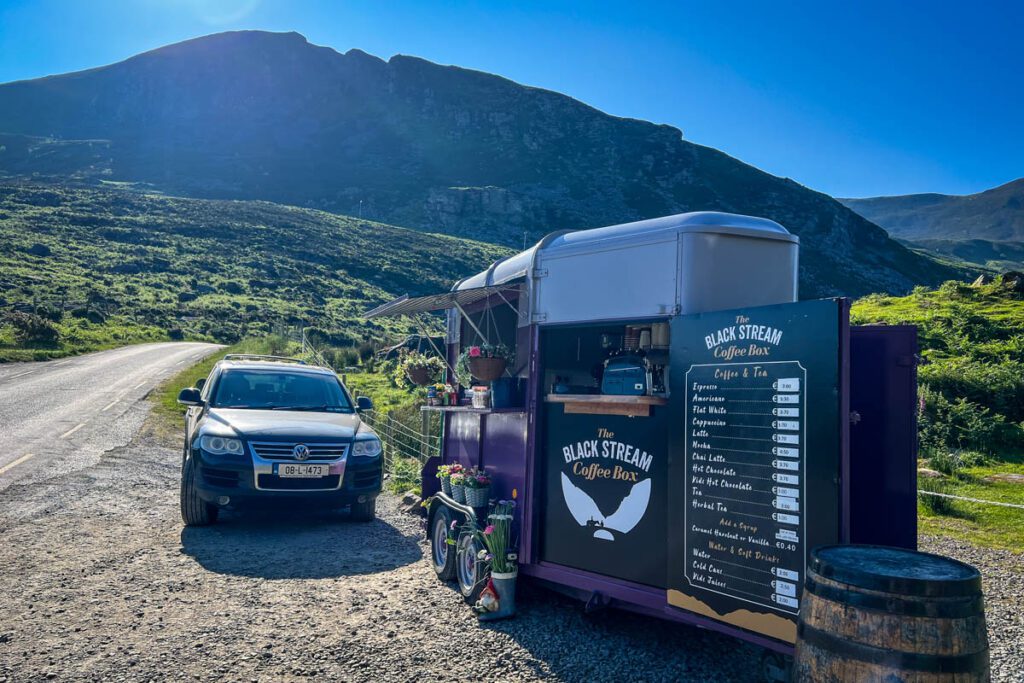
219	445
366	448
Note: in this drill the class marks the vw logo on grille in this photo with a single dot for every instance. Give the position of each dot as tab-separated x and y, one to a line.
301	452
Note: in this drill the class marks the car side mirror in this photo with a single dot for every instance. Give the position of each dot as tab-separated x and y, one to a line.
190	397
200	383
363	403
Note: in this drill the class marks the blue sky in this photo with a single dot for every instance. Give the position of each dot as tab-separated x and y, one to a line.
851	98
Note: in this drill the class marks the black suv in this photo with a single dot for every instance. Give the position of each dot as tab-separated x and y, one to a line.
263	427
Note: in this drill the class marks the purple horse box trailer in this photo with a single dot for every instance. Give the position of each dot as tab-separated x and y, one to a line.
678	430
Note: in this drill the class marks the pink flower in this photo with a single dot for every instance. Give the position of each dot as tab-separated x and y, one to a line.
489	530
474	352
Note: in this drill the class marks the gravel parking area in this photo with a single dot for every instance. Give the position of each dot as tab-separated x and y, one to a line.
1002	575
103	583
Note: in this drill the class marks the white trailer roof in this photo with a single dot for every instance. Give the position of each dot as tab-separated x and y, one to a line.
637	252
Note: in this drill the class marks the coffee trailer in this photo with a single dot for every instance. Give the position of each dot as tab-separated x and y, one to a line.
678	430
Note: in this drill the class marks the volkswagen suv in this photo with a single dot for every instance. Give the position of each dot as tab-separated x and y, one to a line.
263	427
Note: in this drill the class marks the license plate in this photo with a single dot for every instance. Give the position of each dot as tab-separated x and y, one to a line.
303	471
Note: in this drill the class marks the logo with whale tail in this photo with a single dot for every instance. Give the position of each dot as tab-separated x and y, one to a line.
586	513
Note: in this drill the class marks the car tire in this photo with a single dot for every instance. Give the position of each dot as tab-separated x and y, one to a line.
364	512
442	553
469	569
194	510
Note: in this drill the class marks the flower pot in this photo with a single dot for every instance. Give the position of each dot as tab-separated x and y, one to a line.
446	486
487	369
458	493
477	498
505	585
418	376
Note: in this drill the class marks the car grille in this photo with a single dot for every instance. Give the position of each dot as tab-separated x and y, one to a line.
276	483
283	451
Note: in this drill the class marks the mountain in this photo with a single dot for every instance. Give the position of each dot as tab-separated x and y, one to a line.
255	115
995	215
125	266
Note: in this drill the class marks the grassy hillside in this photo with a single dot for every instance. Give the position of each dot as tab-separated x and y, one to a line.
86	268
971	420
979	254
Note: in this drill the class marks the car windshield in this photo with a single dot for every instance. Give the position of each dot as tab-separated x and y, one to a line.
276	390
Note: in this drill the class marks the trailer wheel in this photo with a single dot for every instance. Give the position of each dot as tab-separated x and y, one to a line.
442	554
469	569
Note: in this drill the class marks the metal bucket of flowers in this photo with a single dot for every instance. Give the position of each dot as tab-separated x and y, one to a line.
478	488
498	598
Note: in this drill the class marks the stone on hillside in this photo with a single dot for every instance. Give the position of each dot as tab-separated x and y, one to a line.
924	472
983	279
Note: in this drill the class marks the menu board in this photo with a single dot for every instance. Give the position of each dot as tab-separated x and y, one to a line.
754	469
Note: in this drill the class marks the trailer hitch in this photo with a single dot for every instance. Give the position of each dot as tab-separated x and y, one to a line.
597	602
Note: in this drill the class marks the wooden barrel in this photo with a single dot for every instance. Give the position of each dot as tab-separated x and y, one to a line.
872	613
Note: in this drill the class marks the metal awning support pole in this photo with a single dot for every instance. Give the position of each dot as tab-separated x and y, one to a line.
470	321
422	330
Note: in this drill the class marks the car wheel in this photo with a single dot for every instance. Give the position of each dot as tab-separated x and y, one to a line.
364	512
194	510
469	569
442	553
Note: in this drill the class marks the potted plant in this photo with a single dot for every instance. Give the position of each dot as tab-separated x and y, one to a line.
498	600
421	369
478	488
458	480
444	473
485	362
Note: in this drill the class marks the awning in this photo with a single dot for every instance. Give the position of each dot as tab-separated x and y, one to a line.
404	305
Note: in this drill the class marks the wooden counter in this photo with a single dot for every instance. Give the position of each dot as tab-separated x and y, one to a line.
606	404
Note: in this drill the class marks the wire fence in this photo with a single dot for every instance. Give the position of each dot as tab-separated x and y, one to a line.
403	440
969	500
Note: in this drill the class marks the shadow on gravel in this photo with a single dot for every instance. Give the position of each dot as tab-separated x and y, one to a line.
657	650
289	544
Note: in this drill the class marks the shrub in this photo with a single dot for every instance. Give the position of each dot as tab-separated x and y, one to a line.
936	504
404	475
32	329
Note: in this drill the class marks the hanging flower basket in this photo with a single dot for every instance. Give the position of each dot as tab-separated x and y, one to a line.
487	369
419	376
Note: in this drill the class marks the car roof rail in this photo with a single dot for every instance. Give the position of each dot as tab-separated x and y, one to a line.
257	356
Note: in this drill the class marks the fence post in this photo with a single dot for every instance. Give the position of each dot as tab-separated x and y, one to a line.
425	434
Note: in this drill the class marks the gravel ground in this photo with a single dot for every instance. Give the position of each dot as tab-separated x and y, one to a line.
1002	576
101	582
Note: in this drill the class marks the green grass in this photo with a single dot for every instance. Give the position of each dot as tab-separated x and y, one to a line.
972	384
987	525
109	267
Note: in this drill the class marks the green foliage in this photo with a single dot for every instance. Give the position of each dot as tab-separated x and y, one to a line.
972	378
936	504
405	475
415	360
32	329
121	267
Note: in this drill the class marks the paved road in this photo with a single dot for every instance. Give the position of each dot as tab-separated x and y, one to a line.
60	416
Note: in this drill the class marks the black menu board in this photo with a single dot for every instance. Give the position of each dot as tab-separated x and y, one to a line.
754	464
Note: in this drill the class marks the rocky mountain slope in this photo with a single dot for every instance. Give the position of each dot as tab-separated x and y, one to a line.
995	215
254	115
